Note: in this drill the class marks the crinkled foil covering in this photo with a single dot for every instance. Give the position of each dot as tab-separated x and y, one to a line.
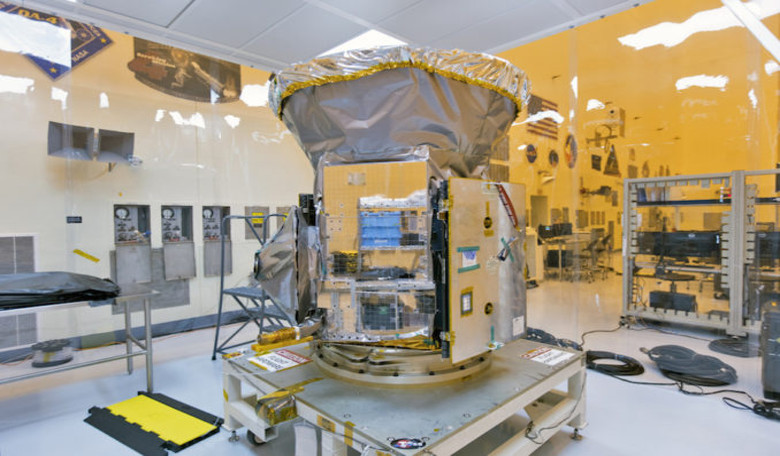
378	104
289	266
478	69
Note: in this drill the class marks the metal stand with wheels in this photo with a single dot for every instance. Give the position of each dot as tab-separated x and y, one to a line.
446	418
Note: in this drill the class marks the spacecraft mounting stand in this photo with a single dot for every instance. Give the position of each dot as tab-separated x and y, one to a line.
446	417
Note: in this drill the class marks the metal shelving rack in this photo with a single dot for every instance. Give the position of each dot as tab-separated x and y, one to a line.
737	247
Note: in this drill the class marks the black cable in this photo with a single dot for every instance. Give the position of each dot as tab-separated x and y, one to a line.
582	338
532	434
539	335
648	327
686	366
629	366
635	382
701	367
735	347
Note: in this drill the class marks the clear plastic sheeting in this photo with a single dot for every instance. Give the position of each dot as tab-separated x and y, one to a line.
381	104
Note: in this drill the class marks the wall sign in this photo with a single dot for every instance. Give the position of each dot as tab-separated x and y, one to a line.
595	162
185	74
85	40
530	153
611	168
407	444
553	158
543	117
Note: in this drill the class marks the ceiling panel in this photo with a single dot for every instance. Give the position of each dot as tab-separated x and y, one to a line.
593	6
155	11
270	34
304	34
371	11
58	6
531	18
236	25
430	20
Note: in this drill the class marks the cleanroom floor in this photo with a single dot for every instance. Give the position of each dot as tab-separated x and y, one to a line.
45	416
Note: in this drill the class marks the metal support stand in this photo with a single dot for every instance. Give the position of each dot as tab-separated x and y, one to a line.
464	410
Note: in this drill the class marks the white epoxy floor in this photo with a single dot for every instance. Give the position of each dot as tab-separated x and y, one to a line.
45	416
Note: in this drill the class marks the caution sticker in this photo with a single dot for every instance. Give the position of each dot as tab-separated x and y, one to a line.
278	360
549	356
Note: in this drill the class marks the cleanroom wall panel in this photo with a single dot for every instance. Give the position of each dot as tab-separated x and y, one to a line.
197	154
699	92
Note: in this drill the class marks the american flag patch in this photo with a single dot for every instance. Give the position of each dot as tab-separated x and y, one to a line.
545	126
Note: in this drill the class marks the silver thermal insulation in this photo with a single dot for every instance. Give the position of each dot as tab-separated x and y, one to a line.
288	264
382	104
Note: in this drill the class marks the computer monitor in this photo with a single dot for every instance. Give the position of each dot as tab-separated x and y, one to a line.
767	246
562	229
680	244
696	244
555	230
546	231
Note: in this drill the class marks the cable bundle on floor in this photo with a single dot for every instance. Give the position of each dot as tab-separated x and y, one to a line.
685	365
629	366
735	347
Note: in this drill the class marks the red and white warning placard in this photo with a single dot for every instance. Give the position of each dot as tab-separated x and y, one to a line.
278	360
549	356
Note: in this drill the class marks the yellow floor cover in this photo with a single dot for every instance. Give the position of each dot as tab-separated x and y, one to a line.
167	422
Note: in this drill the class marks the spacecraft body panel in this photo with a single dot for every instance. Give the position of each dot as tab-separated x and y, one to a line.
486	286
377	282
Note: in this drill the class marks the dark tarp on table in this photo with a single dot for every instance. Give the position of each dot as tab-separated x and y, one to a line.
39	288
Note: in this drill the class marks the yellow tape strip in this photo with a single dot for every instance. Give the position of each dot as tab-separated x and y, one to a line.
84	254
348	427
298	387
326	424
262	349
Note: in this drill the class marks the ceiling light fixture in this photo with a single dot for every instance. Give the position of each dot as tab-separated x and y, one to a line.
369	39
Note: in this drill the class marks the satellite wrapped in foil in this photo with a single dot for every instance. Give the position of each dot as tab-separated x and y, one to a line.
404	262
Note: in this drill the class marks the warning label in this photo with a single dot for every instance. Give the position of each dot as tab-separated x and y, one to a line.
279	360
549	356
518	325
